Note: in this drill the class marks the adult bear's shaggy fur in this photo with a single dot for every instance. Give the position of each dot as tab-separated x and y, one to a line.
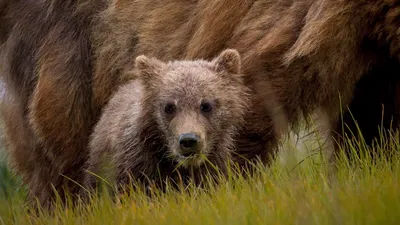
47	111
64	59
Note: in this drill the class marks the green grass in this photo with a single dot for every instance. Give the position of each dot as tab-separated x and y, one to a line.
301	192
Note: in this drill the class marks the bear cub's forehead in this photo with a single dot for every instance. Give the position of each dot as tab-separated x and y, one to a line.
189	74
190	81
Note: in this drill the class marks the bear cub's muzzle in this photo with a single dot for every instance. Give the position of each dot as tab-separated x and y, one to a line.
189	144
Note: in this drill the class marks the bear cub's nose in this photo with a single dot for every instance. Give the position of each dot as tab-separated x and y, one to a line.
188	143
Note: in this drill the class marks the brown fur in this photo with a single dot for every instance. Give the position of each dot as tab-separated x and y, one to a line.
47	109
4	23
62	65
135	137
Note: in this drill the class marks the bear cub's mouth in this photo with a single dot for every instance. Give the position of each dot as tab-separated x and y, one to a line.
192	160
189	152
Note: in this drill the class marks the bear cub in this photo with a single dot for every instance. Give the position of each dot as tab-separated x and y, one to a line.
172	121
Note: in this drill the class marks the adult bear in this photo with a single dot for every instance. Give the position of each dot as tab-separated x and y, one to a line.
64	59
47	110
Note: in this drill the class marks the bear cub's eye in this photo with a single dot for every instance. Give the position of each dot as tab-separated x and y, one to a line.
205	107
169	108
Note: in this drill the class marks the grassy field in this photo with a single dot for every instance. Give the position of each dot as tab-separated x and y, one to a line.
297	191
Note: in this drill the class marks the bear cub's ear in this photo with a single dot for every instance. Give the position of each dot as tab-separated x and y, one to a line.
228	61
148	68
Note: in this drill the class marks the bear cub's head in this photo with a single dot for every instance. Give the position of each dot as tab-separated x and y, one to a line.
198	105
